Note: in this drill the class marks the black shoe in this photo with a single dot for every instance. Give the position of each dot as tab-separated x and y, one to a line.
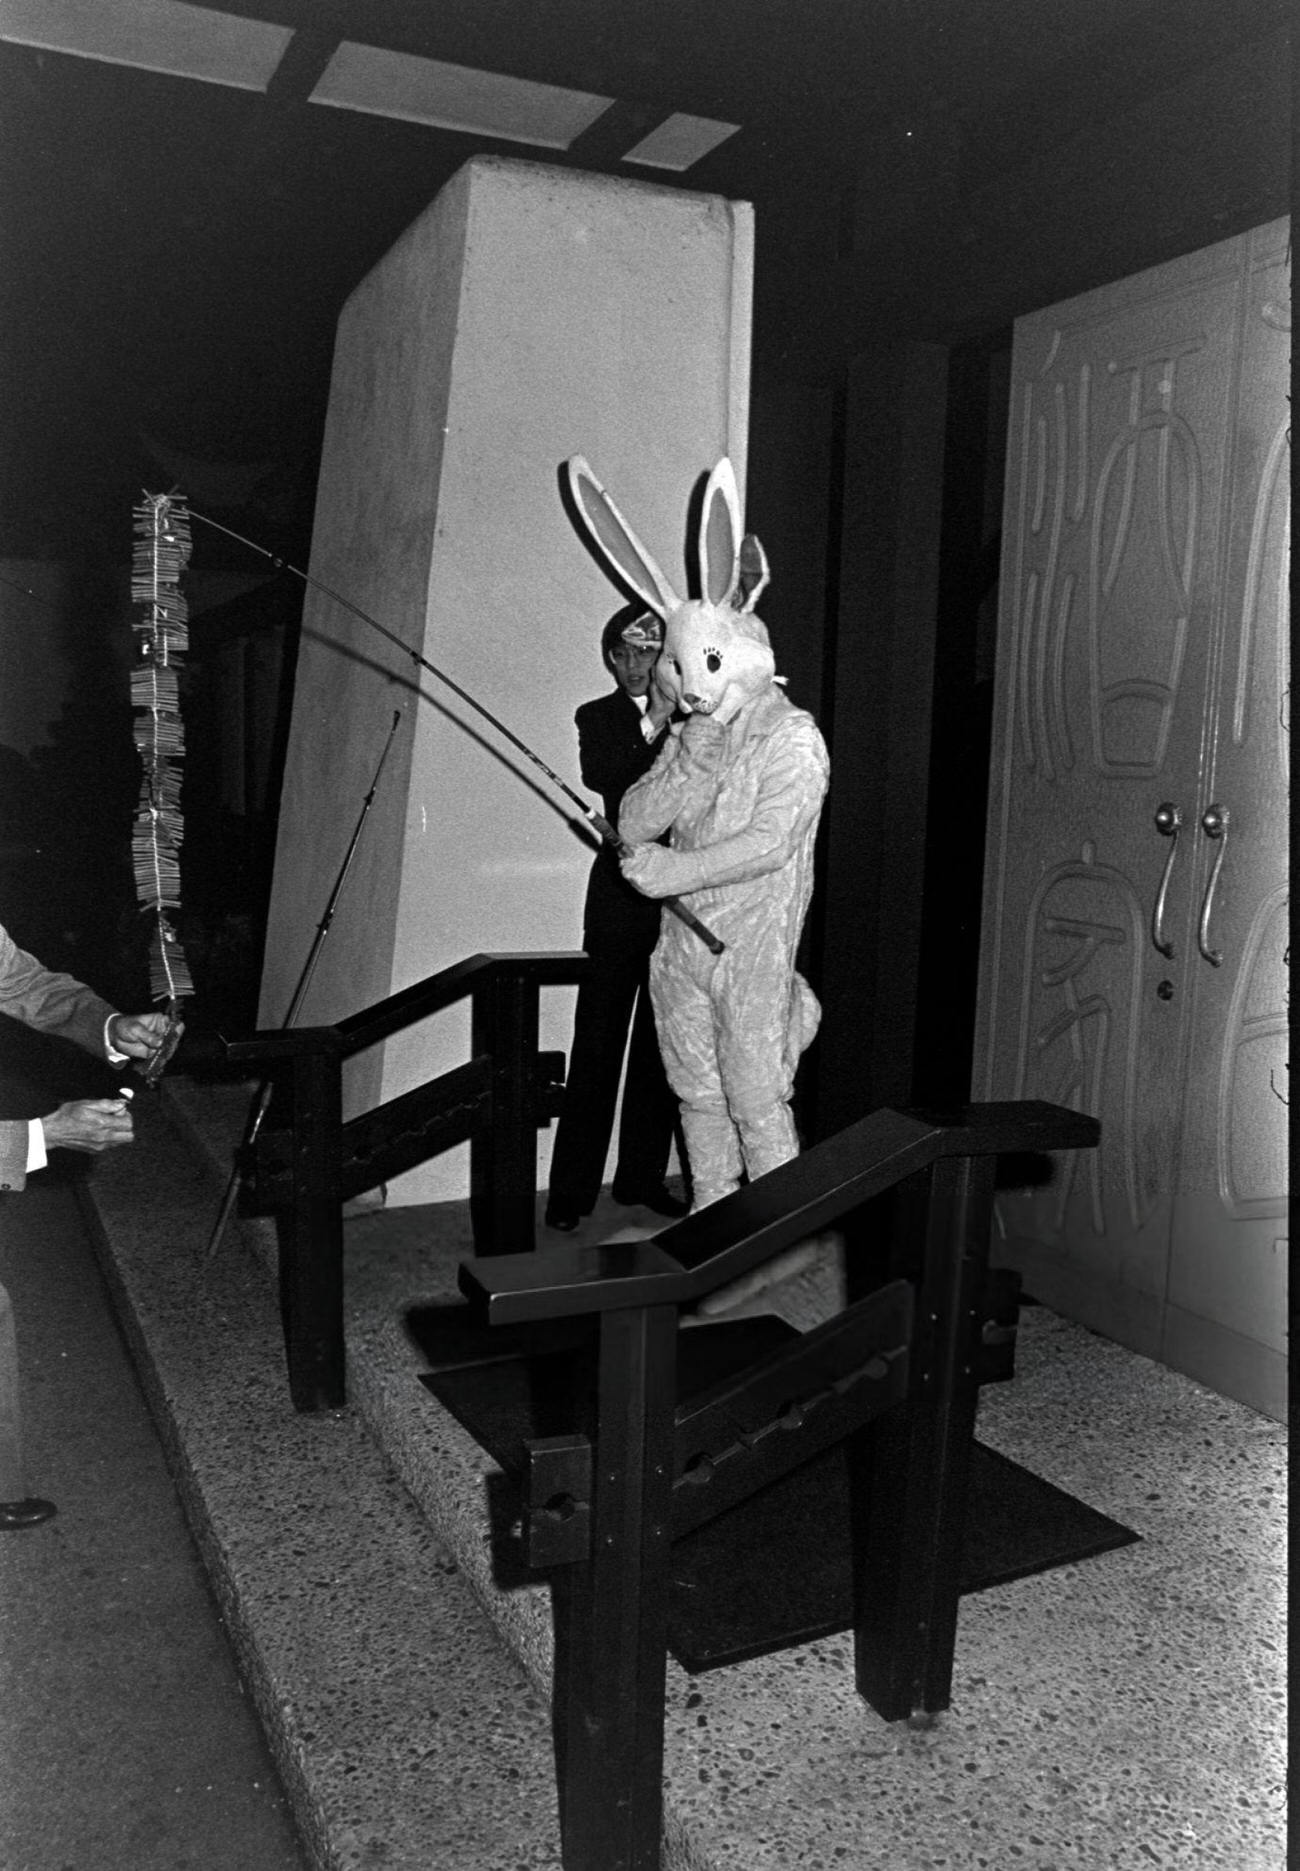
652	1195
565	1219
28	1513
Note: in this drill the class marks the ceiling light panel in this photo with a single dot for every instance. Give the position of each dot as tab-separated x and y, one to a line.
455	97
680	141
154	35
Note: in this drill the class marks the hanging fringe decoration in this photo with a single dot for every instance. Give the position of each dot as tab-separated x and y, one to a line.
162	551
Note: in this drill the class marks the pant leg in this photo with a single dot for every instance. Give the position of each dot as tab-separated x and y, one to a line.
684	1015
650	1111
600	1028
712	1150
763	1027
13	1484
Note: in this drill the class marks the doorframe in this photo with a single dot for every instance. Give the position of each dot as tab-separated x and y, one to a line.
906	706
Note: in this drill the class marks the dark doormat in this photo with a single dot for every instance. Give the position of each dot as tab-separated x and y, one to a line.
776	1570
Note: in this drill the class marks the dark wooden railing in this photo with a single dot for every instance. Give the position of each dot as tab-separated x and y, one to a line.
309	1161
896	1376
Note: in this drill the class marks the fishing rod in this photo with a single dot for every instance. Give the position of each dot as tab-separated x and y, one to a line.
300	993
595	819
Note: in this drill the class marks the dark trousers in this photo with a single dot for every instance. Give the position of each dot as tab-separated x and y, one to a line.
613	996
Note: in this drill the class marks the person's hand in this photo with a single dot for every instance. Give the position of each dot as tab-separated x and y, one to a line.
138	1035
705	738
663	696
650	868
92	1124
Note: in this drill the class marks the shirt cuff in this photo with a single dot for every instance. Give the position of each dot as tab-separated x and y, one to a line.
114	1057
36	1157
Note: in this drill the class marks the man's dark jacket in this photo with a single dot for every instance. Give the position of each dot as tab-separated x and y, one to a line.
620	927
613	752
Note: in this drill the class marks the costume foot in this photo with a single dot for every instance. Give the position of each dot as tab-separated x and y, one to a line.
652	1195
28	1513
784	1267
566	1220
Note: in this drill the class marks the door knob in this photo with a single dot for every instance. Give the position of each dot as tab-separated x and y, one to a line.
1169	819
1214	823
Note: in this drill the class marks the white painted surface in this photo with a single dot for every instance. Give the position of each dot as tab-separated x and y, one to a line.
531	313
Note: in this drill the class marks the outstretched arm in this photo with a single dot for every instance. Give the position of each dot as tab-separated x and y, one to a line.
92	1124
57	1003
52	1002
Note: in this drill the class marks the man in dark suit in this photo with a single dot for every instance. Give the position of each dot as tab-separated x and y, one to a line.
619	736
54	1003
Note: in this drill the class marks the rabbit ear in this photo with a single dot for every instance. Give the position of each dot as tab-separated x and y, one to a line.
751	574
617	544
720	528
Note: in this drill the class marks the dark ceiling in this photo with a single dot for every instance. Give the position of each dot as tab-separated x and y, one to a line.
176	252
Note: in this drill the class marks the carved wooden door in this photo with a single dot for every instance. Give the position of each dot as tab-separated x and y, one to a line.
1134	941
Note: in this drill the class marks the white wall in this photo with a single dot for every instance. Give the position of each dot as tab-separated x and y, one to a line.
531	313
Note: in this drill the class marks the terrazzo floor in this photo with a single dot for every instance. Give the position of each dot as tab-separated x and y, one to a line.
1118	1715
1123	1713
126	1740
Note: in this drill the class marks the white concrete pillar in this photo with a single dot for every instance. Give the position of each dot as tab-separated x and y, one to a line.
532	313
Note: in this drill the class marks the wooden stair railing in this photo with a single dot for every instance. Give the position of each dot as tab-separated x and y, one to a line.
896	1376
309	1161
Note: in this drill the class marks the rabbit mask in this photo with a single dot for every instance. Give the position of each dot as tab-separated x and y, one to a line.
716	654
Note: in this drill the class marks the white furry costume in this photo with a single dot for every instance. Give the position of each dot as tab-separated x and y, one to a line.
742	800
739	787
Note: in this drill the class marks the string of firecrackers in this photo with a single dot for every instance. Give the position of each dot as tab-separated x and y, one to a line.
161	626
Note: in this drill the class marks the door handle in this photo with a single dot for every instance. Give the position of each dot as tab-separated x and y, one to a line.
1169	819
1214	823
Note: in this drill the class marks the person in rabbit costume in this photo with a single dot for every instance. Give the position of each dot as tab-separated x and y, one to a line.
738	785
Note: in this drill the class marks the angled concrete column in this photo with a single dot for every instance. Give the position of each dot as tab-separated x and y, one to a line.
530	314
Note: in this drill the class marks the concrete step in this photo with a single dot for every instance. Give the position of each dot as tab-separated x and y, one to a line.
405	1733
350	1551
402	1258
405	1697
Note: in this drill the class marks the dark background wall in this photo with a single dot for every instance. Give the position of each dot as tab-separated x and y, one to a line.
176	253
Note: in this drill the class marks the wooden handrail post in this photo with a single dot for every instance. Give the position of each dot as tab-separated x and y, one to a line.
912	1465
503	1156
611	1609
311	1235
